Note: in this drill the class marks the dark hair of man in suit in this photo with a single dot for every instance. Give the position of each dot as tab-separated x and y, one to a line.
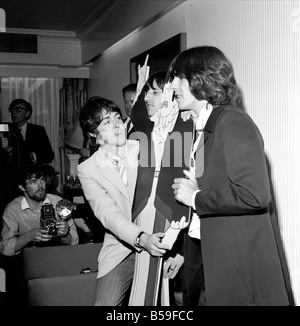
209	73
129	88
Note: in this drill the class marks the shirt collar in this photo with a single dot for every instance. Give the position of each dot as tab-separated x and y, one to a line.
114	159
154	117
24	127
203	117
24	203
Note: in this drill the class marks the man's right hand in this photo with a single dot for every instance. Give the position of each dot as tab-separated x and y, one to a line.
39	235
152	243
4	143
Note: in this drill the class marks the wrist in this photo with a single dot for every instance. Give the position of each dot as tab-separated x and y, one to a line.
194	199
65	234
28	239
66	239
138	240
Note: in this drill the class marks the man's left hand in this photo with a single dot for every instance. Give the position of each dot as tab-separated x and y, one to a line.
62	228
184	188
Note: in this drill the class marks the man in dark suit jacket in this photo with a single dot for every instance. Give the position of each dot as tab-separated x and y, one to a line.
235	256
35	138
129	92
24	143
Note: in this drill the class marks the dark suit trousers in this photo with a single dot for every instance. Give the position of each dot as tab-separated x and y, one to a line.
193	276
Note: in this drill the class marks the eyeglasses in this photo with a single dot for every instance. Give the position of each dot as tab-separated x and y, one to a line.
16	109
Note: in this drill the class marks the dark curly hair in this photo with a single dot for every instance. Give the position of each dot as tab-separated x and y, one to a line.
209	73
92	113
29	171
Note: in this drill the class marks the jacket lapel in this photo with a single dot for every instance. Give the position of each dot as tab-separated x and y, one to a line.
132	165
109	172
210	125
208	130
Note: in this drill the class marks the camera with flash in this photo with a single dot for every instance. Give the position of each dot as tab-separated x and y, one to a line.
48	218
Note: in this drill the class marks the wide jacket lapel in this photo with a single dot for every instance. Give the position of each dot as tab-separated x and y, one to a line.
210	125
29	130
208	130
132	165
109	172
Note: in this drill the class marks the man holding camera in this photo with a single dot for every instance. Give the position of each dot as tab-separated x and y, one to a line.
25	219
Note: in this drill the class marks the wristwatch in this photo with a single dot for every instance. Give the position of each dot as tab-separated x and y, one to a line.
138	239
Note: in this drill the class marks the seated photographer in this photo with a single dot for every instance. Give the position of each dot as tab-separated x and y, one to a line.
21	224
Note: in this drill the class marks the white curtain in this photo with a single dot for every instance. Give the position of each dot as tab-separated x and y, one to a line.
43	94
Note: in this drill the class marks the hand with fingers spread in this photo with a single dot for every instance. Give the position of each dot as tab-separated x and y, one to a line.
172	266
184	188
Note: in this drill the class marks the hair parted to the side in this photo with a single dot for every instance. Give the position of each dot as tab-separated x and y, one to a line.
209	73
93	110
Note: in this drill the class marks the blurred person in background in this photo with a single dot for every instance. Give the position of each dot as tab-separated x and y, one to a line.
129	92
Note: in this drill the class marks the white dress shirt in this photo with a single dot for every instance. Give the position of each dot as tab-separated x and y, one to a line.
194	228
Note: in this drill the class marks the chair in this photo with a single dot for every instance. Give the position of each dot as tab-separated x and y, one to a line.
56	276
72	290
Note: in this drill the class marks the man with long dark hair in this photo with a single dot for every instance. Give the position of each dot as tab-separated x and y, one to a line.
233	253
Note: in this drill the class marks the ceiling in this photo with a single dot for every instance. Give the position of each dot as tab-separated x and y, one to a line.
109	20
60	15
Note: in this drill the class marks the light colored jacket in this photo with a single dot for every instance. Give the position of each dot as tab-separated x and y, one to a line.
111	202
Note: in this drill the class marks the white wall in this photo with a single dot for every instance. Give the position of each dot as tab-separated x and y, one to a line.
262	39
59	55
54	47
111	72
43	71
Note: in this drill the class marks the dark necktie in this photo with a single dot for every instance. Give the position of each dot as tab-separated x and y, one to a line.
22	133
